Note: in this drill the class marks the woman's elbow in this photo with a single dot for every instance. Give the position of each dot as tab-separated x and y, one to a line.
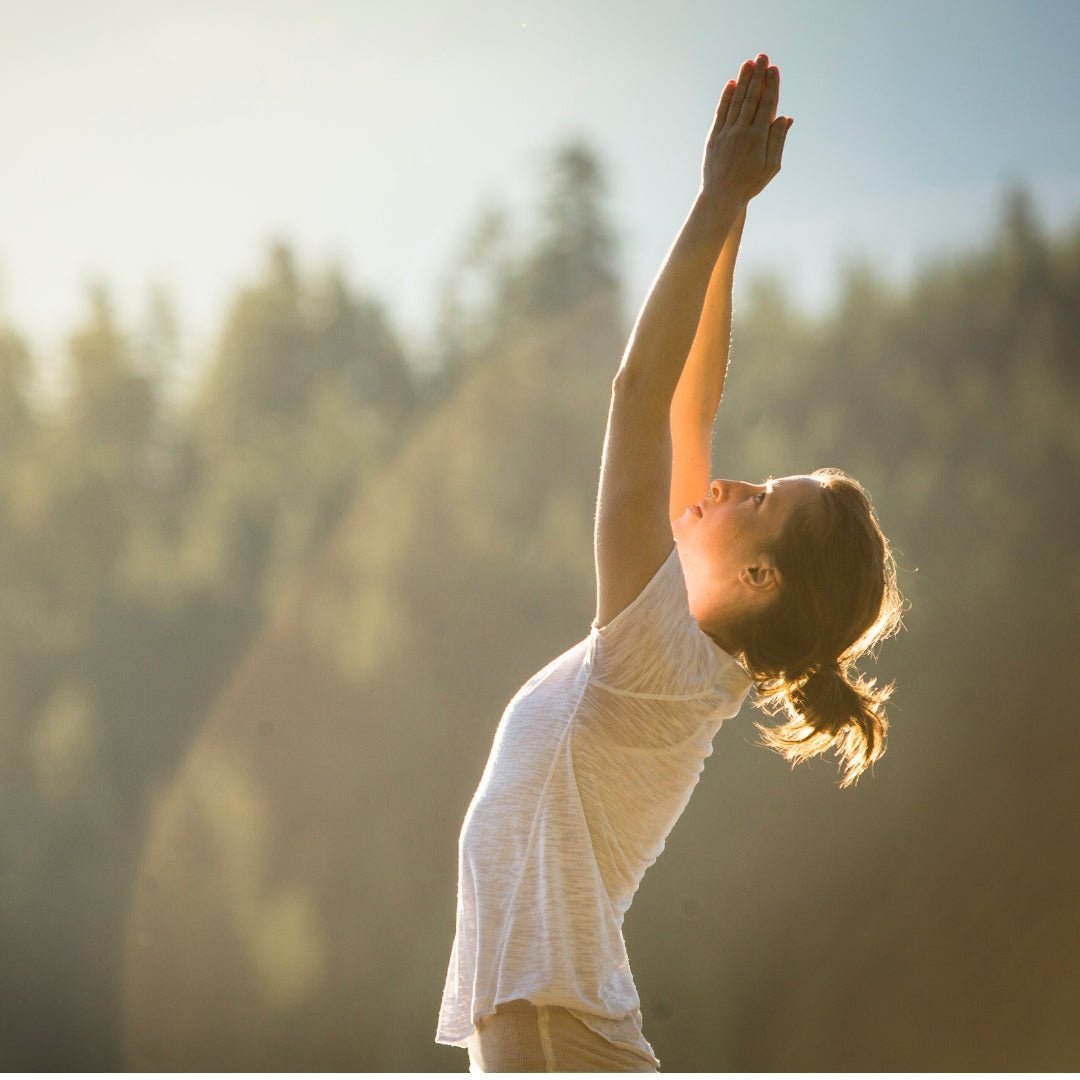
639	391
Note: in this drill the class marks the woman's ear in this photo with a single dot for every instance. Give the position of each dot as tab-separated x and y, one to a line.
762	576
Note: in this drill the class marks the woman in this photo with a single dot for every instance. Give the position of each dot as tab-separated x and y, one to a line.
704	589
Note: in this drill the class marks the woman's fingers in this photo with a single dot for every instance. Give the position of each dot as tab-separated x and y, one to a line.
752	99
724	107
770	97
745	73
774	149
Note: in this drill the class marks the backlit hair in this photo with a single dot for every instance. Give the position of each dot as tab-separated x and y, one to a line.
838	600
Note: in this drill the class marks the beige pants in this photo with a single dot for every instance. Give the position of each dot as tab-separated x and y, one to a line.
522	1037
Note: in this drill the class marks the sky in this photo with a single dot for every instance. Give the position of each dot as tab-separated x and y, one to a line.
168	142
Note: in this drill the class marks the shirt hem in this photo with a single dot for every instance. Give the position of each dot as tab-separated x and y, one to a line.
643	1051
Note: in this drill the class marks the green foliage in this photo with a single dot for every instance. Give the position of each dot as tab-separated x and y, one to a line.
141	547
16	417
574	256
305	396
495	293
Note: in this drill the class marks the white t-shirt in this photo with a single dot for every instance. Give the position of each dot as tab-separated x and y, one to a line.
593	762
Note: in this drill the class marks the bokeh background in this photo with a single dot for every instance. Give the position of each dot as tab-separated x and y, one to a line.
309	313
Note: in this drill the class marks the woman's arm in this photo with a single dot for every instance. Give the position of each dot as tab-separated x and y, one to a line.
633	531
701	386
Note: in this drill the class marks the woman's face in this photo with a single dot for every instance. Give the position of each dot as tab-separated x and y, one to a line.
725	542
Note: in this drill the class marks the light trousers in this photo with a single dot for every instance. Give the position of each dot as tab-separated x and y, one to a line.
522	1037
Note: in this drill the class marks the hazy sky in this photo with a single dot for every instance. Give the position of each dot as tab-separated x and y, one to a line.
167	140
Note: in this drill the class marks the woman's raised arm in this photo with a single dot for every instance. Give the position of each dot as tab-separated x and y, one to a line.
701	385
633	531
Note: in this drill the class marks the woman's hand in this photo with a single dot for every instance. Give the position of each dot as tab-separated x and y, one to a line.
747	140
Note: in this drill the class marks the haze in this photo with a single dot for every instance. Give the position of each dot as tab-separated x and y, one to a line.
169	142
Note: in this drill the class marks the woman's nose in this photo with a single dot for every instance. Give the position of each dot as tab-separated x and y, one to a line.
721	489
726	489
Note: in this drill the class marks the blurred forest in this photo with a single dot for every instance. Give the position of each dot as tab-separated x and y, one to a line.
255	640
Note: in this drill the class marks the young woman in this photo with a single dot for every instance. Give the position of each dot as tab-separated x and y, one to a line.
704	589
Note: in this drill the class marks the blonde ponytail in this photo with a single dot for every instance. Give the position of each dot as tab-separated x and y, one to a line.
826	710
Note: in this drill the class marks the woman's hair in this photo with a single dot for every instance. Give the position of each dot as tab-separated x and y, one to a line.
838	600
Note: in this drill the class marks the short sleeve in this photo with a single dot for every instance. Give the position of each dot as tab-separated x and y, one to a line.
655	648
